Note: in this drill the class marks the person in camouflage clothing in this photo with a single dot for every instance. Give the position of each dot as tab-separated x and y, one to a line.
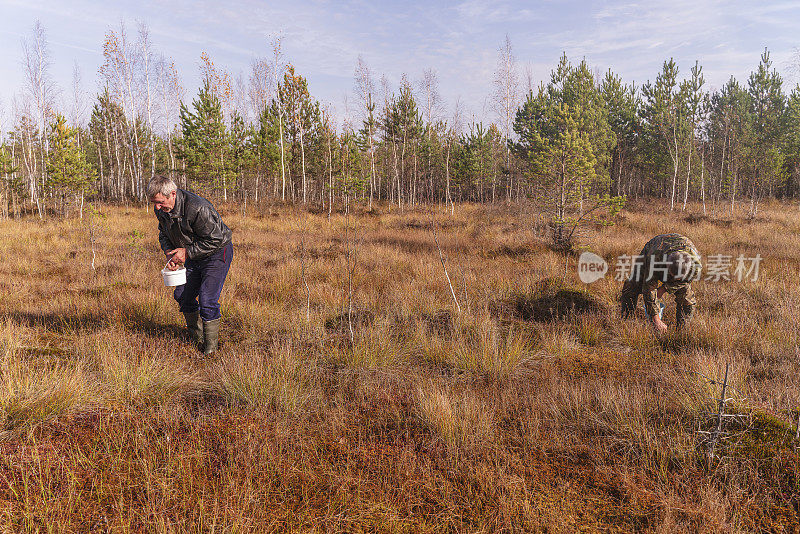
668	263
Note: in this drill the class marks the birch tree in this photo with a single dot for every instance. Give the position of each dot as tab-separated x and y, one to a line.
691	96
78	100
506	96
432	102
146	56
452	135
170	93
42	91
365	89
278	66
119	72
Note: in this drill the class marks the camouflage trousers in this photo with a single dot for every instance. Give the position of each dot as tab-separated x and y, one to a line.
684	301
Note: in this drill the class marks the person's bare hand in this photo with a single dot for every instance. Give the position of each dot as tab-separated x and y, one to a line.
178	258
660	326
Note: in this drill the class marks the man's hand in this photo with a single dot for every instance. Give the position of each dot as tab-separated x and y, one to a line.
178	258
660	326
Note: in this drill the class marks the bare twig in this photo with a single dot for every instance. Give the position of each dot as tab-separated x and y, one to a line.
92	240
464	287
303	275
716	382
92	227
441	258
350	268
797	433
720	414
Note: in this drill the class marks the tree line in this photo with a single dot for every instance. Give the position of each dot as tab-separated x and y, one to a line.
580	142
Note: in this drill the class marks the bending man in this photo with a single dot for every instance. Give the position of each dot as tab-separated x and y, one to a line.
668	263
192	233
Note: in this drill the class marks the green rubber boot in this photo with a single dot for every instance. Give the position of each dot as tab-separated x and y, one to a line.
211	334
195	326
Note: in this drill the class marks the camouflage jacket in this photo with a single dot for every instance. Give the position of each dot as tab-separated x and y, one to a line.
652	271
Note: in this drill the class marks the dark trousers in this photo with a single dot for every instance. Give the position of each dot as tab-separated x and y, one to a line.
204	280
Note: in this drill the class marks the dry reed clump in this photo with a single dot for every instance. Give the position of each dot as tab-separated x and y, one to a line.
486	349
279	379
696	337
375	348
478	346
460	419
35	393
534	408
591	330
38	389
139	374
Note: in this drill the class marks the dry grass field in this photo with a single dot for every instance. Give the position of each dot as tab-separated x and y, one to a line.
532	409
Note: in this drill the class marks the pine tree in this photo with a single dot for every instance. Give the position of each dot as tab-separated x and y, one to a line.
108	153
791	147
302	119
728	128
242	153
565	139
622	104
661	114
403	126
352	182
767	104
266	144
205	144
11	185
68	171
474	161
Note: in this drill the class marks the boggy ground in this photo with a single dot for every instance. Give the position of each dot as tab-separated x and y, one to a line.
531	409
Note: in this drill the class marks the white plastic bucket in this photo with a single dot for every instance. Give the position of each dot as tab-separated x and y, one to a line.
174	278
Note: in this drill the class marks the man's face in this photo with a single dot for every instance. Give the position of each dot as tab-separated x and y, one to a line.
164	203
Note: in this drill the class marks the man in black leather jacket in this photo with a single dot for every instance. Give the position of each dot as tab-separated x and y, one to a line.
192	233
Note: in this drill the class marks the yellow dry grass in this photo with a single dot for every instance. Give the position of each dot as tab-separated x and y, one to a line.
422	419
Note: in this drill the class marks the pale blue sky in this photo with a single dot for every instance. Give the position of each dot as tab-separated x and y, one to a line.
459	40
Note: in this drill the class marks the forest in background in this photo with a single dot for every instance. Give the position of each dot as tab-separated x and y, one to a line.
262	136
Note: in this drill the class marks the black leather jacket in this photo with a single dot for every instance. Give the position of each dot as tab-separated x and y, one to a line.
192	224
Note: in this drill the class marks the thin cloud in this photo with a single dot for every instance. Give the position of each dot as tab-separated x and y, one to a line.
323	39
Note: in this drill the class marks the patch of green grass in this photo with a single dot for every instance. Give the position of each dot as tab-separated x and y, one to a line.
762	436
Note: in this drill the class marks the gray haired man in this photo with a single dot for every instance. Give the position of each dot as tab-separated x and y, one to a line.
191	233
